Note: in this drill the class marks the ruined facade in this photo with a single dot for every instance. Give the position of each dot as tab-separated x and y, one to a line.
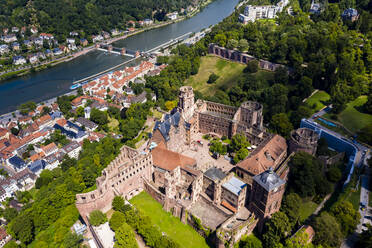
303	139
237	56
123	176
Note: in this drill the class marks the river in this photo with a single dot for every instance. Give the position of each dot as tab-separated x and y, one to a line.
56	81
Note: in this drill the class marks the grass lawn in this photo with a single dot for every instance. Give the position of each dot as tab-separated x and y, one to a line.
157	114
172	226
227	71
113	125
351	118
316	101
307	208
354	198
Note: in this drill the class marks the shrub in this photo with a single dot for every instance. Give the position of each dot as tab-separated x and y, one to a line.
97	218
212	78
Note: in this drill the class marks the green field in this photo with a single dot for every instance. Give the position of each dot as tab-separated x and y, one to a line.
351	118
172	226
316	101
307	208
227	71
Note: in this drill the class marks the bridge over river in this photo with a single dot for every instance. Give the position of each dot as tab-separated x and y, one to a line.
55	81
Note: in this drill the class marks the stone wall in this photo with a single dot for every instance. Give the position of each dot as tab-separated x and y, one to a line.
240	57
123	176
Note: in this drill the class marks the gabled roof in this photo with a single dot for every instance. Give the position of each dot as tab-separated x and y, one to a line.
265	156
165	126
169	160
234	185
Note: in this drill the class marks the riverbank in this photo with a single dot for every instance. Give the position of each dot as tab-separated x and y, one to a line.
69	57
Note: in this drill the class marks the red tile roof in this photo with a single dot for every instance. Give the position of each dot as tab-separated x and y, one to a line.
264	156
169	160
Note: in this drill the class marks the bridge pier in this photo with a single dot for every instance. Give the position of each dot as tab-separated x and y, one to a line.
98	45
109	48
137	54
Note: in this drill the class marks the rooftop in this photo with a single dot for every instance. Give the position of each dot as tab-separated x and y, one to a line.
215	174
269	180
234	185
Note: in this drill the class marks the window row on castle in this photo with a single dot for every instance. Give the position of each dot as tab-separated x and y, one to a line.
127	176
221	109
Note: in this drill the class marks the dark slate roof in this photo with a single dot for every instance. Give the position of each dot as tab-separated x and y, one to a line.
87	123
269	180
165	126
17	162
215	174
55	114
37	165
350	12
80	133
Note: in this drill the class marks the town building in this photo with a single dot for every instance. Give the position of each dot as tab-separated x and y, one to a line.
350	14
253	13
72	149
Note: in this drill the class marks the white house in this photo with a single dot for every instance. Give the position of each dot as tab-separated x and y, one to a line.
10	38
72	149
4	49
172	16
19	60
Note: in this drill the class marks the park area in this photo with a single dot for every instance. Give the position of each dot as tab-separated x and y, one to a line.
184	234
352	118
318	101
228	75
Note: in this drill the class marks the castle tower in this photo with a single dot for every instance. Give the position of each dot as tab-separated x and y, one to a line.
266	196
186	102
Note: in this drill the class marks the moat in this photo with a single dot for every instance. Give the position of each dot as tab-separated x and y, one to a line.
56	81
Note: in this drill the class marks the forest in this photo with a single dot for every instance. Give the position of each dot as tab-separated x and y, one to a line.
88	17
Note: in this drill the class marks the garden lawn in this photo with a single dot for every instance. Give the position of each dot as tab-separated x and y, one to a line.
227	71
351	118
316	101
306	209
113	125
172	226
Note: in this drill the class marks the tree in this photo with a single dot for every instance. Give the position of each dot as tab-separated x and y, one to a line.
162	59
9	214
97	218
80	112
346	216
243	45
276	229
22	228
334	174
240	155
232	43
238	142
72	240
166	242
250	242
281	124
291	206
98	117
365	134
14	131
125	237
25	108
118	204
11	244
306	177
252	67
217	147
327	230
212	78
117	220
170	105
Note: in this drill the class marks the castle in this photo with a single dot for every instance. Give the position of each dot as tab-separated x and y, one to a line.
231	202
